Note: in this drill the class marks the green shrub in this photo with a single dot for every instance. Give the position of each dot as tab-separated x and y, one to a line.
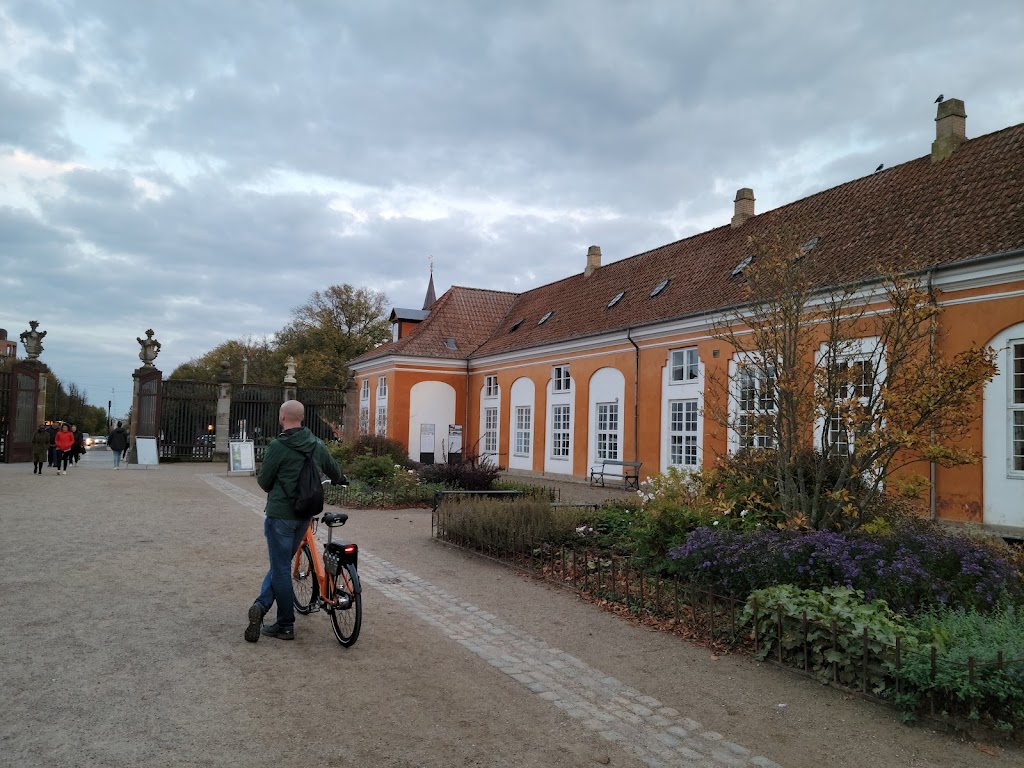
378	445
465	476
505	525
812	646
995	697
372	470
340	452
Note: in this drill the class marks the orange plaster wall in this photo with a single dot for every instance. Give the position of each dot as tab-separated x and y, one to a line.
959	490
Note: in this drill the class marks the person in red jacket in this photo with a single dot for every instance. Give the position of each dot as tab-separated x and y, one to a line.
64	441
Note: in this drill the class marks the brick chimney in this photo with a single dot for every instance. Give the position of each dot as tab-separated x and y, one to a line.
744	206
950	129
593	260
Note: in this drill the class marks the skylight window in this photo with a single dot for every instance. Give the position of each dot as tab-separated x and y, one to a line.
660	287
546	317
515	325
449	343
616	299
809	245
741	266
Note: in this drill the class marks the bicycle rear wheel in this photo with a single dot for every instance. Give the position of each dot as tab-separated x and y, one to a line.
304	583
347	614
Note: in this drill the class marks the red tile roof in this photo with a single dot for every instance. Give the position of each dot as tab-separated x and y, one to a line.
467	315
969	205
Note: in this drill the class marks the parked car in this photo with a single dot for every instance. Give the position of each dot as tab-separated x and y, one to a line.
95	440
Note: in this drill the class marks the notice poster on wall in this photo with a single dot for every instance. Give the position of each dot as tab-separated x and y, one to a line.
454	443
426	443
145	451
241	457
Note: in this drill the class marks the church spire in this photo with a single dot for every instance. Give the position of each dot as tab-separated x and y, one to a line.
430	298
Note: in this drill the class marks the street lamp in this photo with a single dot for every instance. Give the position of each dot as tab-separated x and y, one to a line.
245	370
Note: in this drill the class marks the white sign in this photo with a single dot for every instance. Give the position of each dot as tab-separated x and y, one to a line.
454	438
145	451
426	438
241	456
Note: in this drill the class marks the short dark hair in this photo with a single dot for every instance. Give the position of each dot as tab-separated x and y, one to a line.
119	423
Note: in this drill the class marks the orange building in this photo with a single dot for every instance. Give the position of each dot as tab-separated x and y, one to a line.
614	361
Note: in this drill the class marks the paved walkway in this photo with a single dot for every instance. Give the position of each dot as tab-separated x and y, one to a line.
125	596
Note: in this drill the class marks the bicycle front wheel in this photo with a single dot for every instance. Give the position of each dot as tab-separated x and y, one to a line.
304	583
347	614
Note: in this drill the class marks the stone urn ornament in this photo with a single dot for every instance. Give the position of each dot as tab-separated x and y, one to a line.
150	349
33	340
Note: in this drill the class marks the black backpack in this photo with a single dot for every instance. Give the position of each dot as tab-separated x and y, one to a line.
309	491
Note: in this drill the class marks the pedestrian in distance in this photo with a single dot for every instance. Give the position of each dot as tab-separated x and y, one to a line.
52	431
65	443
283	527
117	441
79	447
40	449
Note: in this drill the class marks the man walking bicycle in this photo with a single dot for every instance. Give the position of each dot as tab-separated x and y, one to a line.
283	527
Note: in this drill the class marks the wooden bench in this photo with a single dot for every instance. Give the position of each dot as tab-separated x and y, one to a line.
630	472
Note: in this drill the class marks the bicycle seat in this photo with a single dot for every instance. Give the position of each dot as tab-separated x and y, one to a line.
332	519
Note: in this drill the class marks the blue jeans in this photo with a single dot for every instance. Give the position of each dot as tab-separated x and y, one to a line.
117	458
283	540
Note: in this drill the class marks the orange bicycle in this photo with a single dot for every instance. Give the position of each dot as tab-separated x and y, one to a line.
330	583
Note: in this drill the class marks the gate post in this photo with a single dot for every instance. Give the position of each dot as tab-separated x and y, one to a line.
223	433
146	387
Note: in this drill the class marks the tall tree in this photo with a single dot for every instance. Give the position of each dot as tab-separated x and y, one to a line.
843	387
334	326
265	363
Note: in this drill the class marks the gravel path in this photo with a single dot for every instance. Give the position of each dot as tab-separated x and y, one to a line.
125	596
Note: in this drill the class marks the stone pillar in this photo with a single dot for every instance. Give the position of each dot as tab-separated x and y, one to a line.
290	388
223	410
41	401
350	410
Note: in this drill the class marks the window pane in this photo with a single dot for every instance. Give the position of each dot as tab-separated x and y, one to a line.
1018	374
1018	441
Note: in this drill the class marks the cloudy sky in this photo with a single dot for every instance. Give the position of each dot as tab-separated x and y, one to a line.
200	168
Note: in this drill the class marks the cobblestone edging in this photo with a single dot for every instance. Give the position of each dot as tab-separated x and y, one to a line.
638	724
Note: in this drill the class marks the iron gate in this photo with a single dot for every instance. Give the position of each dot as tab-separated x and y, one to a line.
253	414
20	418
188	418
325	410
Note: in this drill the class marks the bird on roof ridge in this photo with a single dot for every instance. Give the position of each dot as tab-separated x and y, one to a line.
880	167
939	100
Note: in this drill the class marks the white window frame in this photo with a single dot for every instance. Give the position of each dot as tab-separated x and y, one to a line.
364	419
684	432
752	395
870	356
606	431
1015	408
490	441
380	427
561	430
364	390
561	381
382	387
491	386
684	366
524	430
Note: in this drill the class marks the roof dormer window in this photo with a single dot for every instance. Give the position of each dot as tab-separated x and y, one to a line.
547	316
616	299
660	287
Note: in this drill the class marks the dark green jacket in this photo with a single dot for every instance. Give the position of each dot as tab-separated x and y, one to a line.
282	463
